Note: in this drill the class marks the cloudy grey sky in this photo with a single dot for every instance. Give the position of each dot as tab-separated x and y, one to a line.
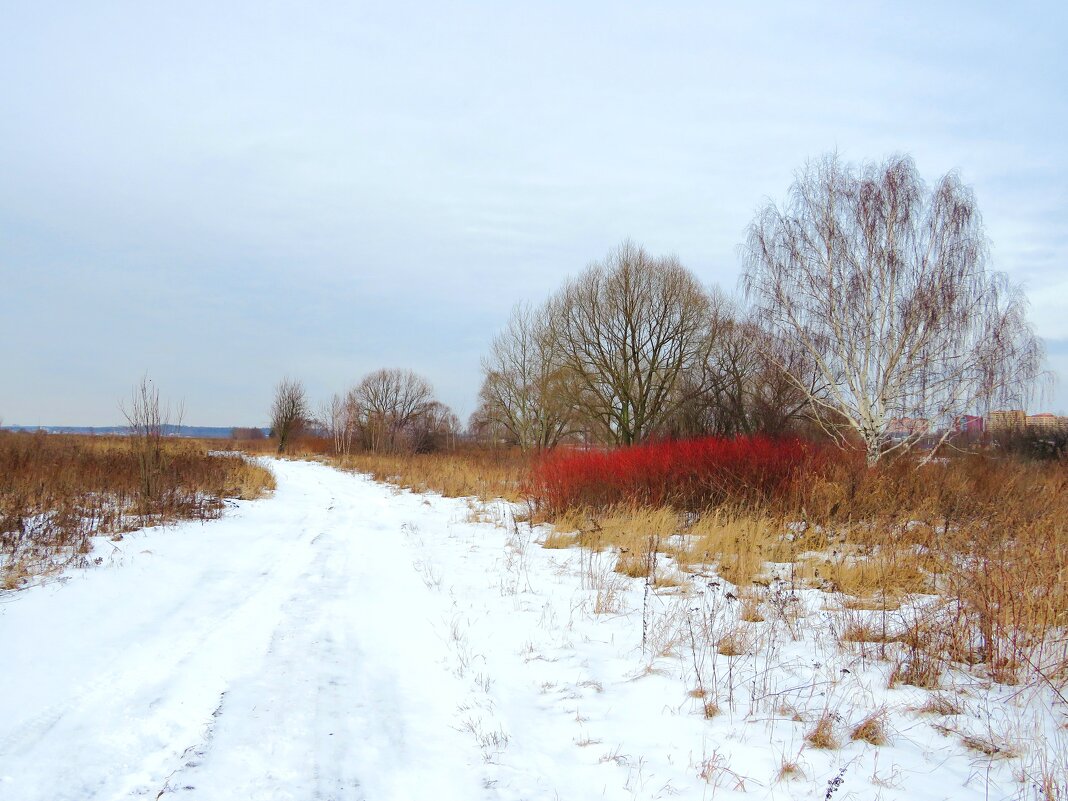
220	194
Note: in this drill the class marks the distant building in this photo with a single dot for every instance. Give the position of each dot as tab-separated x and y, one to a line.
1045	421
1007	419
969	424
901	427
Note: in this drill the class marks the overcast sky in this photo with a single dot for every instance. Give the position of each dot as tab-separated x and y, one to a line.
220	194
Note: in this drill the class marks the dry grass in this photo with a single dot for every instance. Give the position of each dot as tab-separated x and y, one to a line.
751	611
638	536
822	735
557	540
863	632
635	564
991	536
942	705
57	491
609	588
664	580
608	598
872	602
484	473
872	729
988	535
923	670
789	712
876	571
466	471
989	746
735	642
789	770
1050	780
739	545
629	530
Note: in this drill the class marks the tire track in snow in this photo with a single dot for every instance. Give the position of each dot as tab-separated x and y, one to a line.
339	710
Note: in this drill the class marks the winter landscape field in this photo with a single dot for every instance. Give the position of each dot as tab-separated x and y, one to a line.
533	401
343	639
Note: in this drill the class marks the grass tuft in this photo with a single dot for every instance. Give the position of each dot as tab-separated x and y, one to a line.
871	729
822	736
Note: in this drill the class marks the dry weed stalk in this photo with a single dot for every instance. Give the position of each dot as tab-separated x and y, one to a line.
739	545
985	534
751	611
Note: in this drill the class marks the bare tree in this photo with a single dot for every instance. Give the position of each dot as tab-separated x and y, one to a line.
523	389
388	402
148	419
741	389
884	287
339	417
289	411
629	329
435	429
786	379
484	427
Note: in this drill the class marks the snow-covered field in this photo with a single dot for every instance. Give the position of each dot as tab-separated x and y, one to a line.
344	641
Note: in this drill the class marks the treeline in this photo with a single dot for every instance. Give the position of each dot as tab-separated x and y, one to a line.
631	349
387	411
868	319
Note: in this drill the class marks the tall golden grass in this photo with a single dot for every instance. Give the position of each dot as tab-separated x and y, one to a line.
56	491
484	473
986	535
487	473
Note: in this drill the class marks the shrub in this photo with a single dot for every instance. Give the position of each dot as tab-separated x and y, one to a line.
692	475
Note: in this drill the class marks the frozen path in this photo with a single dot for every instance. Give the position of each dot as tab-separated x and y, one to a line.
289	650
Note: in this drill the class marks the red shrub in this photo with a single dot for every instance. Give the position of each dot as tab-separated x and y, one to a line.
688	474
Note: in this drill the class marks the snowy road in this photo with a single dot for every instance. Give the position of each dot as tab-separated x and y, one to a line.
286	651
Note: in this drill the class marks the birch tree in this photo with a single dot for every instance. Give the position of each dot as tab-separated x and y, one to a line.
340	417
884	285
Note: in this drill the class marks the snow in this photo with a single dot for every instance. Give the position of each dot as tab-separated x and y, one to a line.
343	640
